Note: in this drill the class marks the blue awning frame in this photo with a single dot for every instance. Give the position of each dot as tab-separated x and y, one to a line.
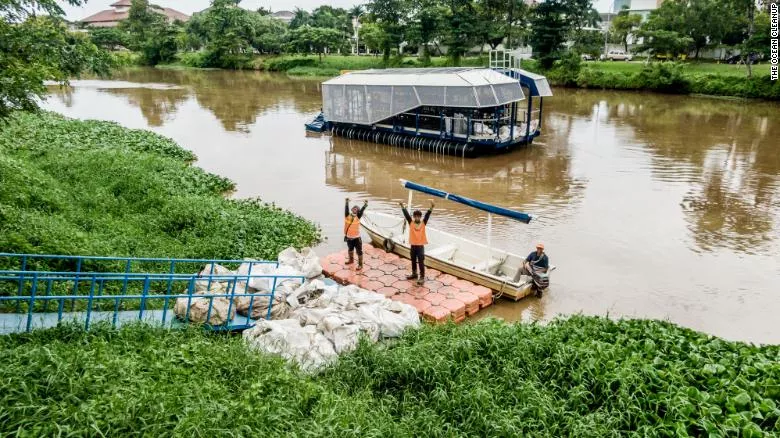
501	211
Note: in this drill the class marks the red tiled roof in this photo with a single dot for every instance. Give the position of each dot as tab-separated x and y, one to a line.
111	15
175	15
107	15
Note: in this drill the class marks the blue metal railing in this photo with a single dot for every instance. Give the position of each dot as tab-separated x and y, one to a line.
25	293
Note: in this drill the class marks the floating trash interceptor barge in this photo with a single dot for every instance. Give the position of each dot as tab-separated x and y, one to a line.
455	111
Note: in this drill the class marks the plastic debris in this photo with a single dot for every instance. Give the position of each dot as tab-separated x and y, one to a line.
311	321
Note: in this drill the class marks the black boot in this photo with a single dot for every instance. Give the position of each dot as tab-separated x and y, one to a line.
351	259
412	277
360	262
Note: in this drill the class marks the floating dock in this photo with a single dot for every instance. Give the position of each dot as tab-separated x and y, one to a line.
442	298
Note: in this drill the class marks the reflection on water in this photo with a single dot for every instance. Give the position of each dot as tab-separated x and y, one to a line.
650	205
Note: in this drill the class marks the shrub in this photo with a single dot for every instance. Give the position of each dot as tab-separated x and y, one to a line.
192	59
284	63
125	58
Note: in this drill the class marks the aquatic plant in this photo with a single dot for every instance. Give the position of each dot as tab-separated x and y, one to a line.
96	188
581	376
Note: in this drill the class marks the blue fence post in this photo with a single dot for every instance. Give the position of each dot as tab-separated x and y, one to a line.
124	284
271	300
232	298
246	291
166	301
31	303
75	285
89	303
143	298
190	287
48	293
21	285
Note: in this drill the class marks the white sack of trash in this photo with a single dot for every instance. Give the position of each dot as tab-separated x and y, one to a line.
311	322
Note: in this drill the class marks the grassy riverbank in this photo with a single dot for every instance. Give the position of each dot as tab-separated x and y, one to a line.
665	77
96	188
578	377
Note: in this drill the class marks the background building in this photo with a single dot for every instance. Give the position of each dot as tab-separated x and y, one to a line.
120	11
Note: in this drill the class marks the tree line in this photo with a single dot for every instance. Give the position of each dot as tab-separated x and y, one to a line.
36	44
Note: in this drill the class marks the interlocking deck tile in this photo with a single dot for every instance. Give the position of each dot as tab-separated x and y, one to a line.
387	279
432	273
388	292
457	308
373	273
403	285
372	262
374	285
485	295
463	285
448	291
401	273
443	297
433	285
387	268
421	305
447	279
436	314
342	276
434	298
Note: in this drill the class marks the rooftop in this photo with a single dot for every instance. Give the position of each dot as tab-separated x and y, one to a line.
120	13
444	76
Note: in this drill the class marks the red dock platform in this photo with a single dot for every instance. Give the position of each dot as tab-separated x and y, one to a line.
443	297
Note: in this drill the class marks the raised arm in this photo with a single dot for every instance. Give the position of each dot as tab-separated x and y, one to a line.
428	213
406	213
362	209
346	207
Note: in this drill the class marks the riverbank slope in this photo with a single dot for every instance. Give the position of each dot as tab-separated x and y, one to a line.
575	377
96	188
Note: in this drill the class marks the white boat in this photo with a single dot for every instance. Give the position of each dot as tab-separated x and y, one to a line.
481	264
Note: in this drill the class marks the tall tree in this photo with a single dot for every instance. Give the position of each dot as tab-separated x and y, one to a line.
550	27
300	18
425	24
391	17
34	49
623	25
705	22
150	33
372	36
309	39
460	28
269	34
229	33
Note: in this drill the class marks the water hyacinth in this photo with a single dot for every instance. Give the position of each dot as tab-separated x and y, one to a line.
581	376
96	188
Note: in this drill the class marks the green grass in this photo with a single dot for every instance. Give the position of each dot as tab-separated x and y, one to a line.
584	377
688	68
96	188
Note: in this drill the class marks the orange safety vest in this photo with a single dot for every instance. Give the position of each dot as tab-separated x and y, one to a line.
417	234
352	227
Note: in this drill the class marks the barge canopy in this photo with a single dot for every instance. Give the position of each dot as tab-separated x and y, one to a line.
370	96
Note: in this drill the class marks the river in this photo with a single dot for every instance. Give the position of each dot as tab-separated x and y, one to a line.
651	206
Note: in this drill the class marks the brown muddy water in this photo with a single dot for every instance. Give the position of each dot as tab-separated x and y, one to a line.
651	206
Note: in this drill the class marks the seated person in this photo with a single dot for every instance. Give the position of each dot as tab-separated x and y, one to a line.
537	261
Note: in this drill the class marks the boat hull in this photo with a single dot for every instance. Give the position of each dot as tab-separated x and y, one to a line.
501	286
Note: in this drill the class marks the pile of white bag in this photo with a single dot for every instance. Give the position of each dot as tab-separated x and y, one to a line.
311	322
